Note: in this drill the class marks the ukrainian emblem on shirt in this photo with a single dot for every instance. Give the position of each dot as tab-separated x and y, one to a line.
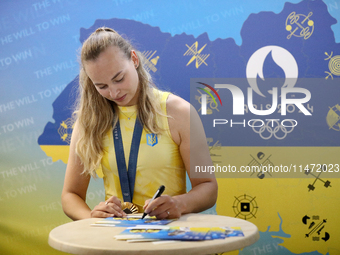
151	139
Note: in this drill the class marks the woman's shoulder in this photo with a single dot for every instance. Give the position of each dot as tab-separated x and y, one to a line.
177	104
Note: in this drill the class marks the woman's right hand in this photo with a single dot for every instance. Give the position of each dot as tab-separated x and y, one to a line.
110	208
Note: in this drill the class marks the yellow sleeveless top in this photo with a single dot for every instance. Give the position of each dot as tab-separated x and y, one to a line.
159	160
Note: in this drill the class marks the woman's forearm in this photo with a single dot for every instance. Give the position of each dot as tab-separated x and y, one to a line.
75	207
201	197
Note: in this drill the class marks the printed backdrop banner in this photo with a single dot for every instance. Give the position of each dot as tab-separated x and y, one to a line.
284	56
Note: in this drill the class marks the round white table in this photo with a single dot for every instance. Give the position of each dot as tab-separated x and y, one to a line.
79	237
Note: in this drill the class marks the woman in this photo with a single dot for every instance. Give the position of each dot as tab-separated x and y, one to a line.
117	98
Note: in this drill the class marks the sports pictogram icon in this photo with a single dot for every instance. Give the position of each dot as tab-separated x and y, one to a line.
333	65
315	228
214	148
196	54
299	25
317	178
245	207
333	117
258	162
150	62
65	130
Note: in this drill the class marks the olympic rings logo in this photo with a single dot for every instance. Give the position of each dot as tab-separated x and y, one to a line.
273	130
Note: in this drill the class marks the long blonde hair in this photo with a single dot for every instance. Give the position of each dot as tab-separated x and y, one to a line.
94	114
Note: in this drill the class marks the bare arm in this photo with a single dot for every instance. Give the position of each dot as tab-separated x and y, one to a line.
203	194
73	196
75	185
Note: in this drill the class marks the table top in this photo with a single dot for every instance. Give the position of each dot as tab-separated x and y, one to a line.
79	237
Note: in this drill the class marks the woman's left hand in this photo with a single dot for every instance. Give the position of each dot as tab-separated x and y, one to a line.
163	207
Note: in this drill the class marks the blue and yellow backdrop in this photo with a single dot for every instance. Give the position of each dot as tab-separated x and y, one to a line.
181	40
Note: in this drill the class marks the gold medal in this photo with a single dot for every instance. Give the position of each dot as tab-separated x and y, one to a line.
129	208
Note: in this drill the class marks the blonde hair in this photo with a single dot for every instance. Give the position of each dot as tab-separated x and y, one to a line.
95	114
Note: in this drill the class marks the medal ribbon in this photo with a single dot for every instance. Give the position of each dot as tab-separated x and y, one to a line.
127	176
